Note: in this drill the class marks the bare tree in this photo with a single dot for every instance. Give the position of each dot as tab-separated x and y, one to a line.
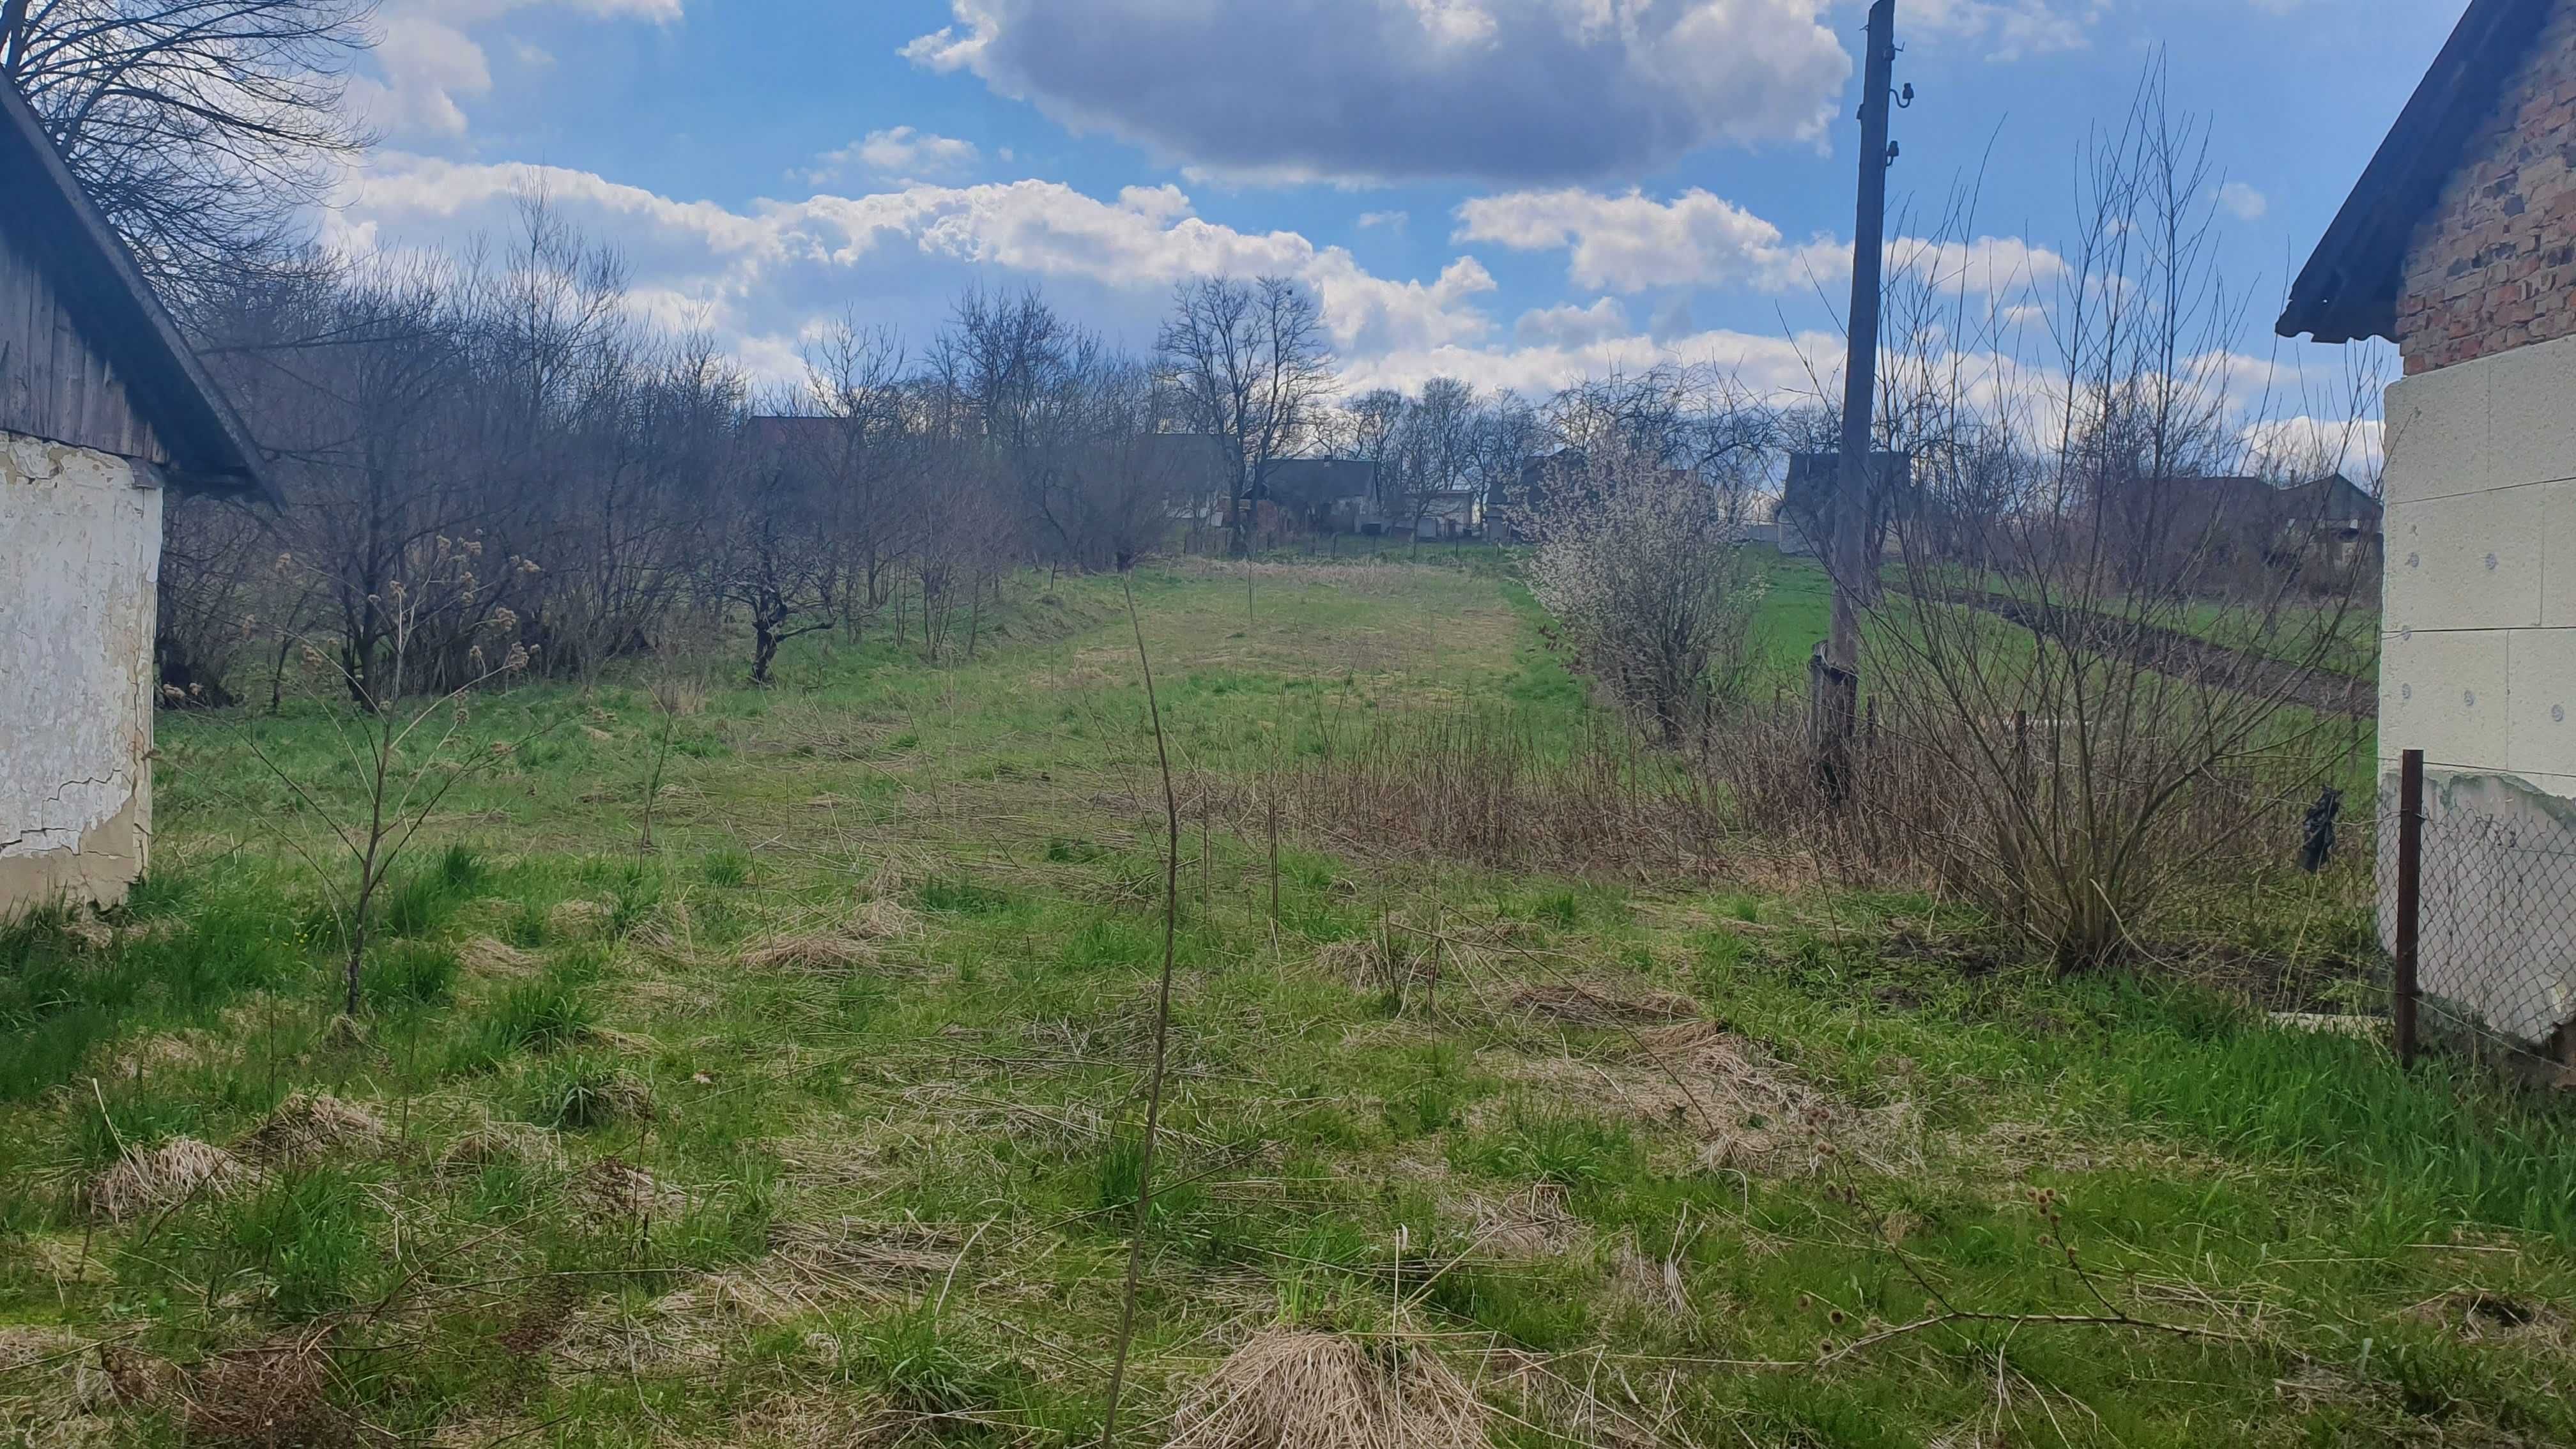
202	127
1249	366
2092	711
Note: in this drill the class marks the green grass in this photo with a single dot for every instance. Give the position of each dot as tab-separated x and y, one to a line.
623	1186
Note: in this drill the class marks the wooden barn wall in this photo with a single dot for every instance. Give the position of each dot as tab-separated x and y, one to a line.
53	384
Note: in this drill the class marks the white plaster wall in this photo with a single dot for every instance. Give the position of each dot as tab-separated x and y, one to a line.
80	554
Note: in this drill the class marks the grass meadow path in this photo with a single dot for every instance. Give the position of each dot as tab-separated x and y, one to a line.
816	1120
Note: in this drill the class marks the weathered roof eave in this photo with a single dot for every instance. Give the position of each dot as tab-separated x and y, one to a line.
2349	288
210	450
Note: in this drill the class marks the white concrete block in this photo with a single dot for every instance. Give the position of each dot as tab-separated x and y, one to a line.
2540	685
2558	555
2531	413
2438	434
2447	695
2472	561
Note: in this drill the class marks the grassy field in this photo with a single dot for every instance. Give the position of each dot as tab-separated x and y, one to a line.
817	1121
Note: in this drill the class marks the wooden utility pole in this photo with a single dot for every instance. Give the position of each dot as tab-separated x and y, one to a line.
1835	711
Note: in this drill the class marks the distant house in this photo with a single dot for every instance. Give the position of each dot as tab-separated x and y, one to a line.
1806	515
102	409
1322	495
2214	532
2459	245
1202	470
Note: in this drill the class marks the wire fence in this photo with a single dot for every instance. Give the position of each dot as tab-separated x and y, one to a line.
2477	905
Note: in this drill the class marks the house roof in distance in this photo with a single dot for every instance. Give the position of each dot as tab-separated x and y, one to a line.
118	316
2350	287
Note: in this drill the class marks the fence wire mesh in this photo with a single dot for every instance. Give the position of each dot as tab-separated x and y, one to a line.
2495	900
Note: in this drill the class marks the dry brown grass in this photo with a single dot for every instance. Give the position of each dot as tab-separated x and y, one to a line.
580	920
274	1396
815	953
178	1171
309	1126
1748	1111
1529	1227
51	1386
1299	1389
500	1144
613	1188
1577	1004
485	956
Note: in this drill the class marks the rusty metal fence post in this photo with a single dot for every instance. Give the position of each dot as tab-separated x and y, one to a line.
2410	902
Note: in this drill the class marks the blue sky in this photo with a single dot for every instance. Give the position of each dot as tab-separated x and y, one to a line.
1517	191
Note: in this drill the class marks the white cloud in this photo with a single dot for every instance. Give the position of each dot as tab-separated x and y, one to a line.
2243	202
2009	29
1394	221
1381	90
1572	326
765	270
428	64
1632	243
1773	365
898	154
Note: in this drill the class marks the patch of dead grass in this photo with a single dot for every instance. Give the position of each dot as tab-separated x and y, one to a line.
501	1144
273	1396
485	956
1576	1004
814	953
1299	1389
161	1178
309	1126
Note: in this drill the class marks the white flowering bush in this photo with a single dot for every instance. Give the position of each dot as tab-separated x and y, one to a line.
1643	568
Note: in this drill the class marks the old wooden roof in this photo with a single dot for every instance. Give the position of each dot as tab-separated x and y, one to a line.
88	355
2350	287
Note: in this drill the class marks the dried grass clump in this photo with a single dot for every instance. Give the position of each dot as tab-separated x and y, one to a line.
818	953
308	1126
1749	1111
277	1396
884	919
1528	1227
1576	1004
485	956
501	1144
1298	1389
580	920
49	1385
855	1259
177	1171
613	1188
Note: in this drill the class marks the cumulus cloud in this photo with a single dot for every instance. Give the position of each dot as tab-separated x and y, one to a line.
1632	243
1572	326
1386	90
898	154
428	64
764	270
2243	202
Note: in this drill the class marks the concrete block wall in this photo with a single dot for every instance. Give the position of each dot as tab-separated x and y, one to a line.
2478	670
80	558
2478	662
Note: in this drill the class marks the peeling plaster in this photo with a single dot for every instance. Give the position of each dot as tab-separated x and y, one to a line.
80	554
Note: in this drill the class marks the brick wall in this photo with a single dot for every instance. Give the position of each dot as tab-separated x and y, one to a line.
2494	267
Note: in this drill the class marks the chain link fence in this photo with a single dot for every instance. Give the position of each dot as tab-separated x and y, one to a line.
2477	905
